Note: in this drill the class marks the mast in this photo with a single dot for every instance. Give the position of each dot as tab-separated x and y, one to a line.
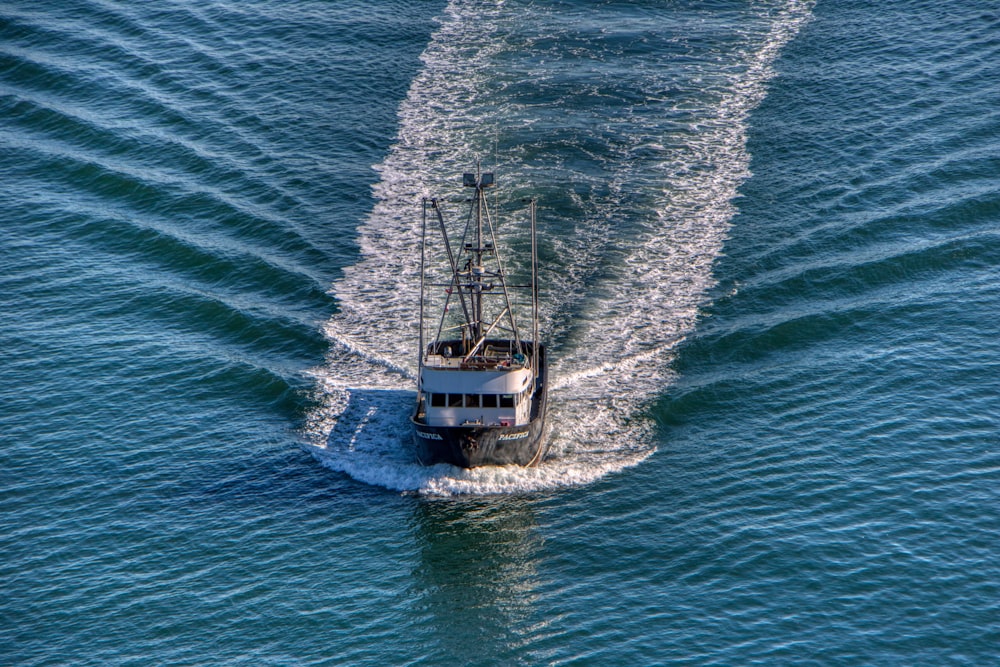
534	291
480	182
472	283
423	250
476	269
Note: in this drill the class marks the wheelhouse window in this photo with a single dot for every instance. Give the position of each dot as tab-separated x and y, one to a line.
490	401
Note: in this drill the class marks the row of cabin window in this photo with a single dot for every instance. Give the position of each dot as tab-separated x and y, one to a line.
471	400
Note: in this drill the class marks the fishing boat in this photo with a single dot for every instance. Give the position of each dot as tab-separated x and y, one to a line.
481	382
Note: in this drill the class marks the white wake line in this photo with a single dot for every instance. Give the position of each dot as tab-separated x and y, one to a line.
354	348
623	364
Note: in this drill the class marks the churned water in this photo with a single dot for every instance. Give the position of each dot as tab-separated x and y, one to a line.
771	243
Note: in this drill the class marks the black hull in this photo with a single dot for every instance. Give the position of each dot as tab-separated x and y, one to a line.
474	446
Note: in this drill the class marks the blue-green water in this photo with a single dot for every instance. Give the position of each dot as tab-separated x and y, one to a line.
771	234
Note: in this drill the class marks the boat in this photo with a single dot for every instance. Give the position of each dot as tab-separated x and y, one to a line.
482	378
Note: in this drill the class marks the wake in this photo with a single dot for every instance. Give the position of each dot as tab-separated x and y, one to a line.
650	181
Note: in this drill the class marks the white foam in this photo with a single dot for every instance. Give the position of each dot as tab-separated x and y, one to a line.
630	321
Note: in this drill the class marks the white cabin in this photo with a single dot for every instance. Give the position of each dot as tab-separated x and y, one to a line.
454	396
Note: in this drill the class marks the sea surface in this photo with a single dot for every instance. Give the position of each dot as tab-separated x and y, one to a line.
770	232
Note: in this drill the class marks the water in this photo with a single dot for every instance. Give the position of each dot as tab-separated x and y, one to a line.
770	235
